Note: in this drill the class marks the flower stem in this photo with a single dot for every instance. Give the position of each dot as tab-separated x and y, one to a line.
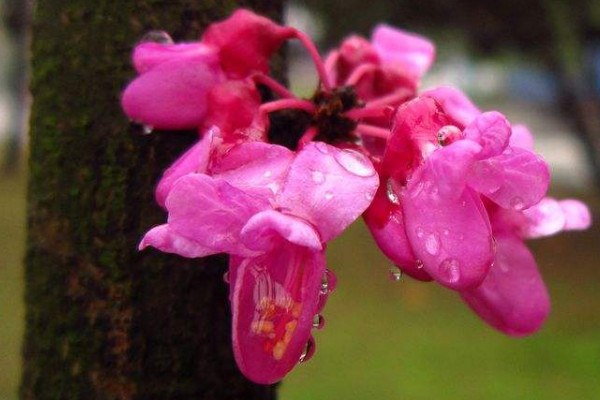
316	58
370	130
272	84
283	104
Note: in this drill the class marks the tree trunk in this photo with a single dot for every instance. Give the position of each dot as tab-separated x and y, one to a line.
104	321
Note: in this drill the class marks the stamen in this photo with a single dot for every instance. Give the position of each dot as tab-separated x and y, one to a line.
358	73
390	99
316	58
366	112
308	136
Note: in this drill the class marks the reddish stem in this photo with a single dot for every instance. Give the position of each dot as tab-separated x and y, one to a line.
370	130
275	86
366	112
283	104
316	58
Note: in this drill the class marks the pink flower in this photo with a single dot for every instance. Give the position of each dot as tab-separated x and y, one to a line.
173	87
273	211
434	174
393	60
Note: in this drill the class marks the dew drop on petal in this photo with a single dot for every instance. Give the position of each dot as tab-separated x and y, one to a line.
419	264
432	244
226	277
157	36
328	195
322	147
450	270
267	174
517	203
391	194
318	321
395	273
328	282
309	350
369	196
420	232
448	134
318	177
355	163
446	232
147	129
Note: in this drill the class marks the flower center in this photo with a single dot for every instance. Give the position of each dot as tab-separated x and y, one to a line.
332	125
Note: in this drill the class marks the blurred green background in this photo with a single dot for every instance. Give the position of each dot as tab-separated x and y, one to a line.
406	339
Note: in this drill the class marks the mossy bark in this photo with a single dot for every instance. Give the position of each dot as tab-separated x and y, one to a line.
103	320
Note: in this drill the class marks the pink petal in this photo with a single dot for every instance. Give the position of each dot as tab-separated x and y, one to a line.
246	42
211	212
451	235
148	55
516	179
521	137
412	53
492	131
513	297
451	166
390	235
241	96
354	52
195	160
265	231
543	219
164	239
455	103
577	214
273	303
329	187
255	167
172	95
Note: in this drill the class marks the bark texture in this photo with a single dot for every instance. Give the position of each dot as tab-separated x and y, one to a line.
104	321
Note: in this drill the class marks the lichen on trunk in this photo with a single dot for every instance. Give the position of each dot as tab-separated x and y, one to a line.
104	321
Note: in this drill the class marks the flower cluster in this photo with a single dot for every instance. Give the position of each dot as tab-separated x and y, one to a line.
448	192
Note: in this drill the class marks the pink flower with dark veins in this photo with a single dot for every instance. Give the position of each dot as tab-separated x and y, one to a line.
273	211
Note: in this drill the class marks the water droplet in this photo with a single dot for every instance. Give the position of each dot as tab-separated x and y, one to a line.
309	350
450	270
419	264
147	129
395	273
448	134
322	147
267	174
494	245
328	195
391	194
517	203
446	232
226	277
328	282
432	244
355	163
420	232
157	37
369	196
463	203
318	177
318	321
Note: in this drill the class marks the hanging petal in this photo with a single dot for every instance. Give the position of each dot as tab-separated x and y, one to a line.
492	131
195	160
164	239
211	212
543	219
516	179
386	223
266	230
513	297
455	103
577	214
148	55
246	42
329	187
410	52
172	95
451	235
274	299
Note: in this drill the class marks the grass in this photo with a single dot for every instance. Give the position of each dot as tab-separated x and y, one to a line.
390	340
